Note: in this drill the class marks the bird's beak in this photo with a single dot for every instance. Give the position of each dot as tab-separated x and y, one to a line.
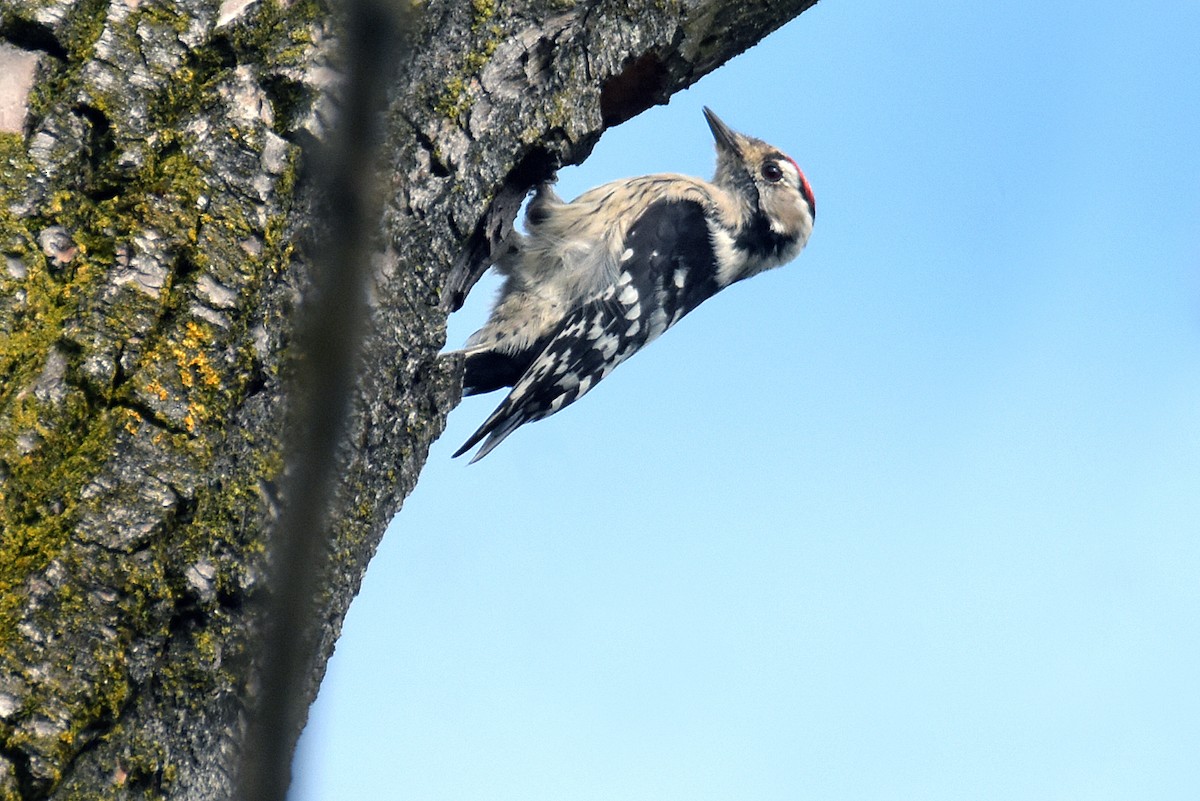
725	136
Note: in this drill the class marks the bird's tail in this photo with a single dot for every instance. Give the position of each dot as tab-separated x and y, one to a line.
495	428
487	370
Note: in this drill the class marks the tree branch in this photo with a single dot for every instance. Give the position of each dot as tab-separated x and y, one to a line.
157	221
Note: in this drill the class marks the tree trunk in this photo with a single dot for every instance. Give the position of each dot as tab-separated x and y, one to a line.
154	215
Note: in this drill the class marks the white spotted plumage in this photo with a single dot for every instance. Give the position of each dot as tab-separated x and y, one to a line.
594	280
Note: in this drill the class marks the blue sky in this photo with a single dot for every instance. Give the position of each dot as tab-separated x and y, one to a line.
914	517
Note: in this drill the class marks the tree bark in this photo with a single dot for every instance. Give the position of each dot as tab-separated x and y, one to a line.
155	221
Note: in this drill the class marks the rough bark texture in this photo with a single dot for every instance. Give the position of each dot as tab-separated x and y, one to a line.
152	225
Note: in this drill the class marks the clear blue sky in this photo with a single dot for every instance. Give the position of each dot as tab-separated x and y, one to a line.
915	517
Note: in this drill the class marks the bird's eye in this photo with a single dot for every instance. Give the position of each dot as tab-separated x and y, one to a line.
771	171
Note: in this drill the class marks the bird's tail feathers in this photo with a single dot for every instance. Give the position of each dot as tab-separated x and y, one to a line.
499	425
496	437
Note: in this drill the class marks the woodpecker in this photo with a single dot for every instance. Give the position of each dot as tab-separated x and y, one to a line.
593	281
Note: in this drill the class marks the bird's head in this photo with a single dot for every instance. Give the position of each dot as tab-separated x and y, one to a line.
764	180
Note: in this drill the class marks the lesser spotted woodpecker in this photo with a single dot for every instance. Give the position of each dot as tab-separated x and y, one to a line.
595	280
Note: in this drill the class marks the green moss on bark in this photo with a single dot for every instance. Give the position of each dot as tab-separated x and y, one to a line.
486	33
95	370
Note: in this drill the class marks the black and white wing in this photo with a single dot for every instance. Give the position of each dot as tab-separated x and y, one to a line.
668	268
